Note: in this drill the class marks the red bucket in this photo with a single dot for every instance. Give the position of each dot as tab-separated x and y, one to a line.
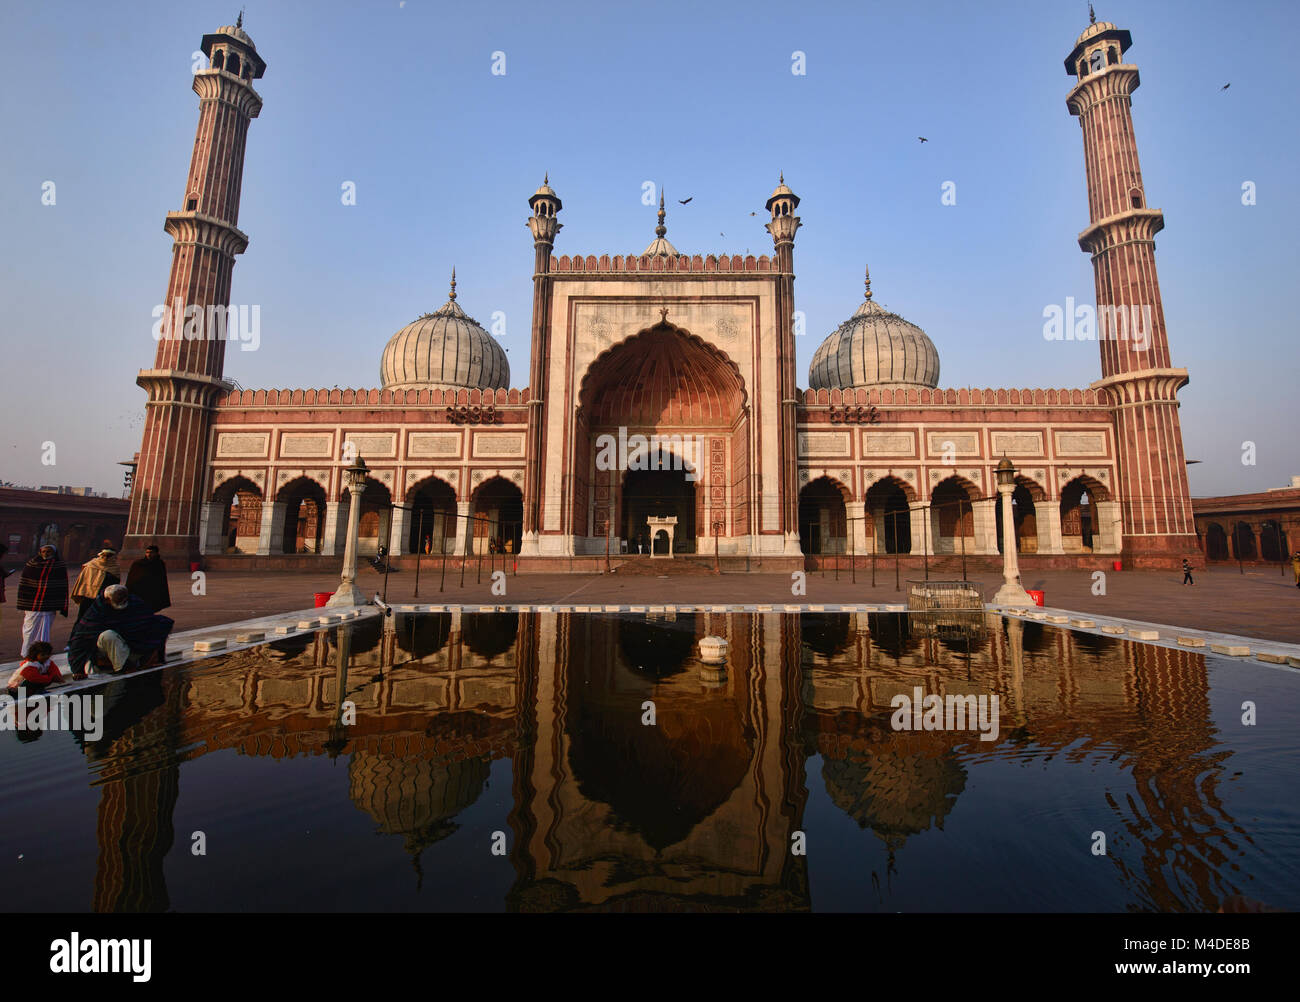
1037	596
322	597
1117	565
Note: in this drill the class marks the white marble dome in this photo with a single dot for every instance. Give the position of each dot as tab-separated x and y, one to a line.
445	349
874	348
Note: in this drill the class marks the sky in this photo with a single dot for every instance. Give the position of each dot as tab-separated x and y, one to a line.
400	99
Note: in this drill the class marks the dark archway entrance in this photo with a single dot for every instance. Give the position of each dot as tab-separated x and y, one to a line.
432	526
823	520
891	517
304	516
1216	542
1272	541
1243	539
498	517
660	493
241	528
1078	515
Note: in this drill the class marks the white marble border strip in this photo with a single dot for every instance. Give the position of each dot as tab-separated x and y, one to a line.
1163	635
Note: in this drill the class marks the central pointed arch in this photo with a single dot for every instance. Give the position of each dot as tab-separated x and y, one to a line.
663	376
664	401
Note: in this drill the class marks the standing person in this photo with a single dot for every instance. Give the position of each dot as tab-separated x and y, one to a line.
42	591
1295	567
1187	573
147	579
96	575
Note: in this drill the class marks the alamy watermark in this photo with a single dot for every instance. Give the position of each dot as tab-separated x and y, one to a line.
56	712
953	712
652	452
210	323
1086	322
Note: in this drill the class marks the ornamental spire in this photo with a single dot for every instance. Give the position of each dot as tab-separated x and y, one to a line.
453	283
661	230
868	269
1092	16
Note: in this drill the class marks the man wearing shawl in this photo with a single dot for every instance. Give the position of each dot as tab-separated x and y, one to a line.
118	631
42	591
147	579
95	576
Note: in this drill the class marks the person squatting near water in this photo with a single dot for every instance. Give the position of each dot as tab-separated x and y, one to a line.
42	591
117	632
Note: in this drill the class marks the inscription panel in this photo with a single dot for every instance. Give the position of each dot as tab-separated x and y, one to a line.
243	444
825	443
888	443
382	444
432	443
1018	443
964	443
498	445
305	446
1080	443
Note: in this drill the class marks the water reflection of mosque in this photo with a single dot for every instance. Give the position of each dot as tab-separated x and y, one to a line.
698	810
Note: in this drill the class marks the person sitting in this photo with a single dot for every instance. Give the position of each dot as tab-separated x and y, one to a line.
37	671
118	631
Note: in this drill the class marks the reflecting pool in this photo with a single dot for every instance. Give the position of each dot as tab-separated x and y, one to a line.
549	762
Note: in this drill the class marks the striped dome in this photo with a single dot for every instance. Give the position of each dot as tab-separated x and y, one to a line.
444	349
874	348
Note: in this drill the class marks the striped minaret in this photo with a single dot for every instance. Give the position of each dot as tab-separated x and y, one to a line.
1136	373
186	377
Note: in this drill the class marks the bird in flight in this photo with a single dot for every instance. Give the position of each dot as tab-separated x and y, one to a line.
1225	86
923	139
683	201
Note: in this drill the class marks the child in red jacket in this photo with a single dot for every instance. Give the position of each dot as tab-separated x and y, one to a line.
37	671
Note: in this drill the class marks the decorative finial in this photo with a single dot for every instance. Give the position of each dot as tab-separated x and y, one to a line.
453	283
663	314
868	281
661	229
1092	16
239	21
782	181
546	178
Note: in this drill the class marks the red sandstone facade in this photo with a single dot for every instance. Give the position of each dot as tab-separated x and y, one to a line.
697	349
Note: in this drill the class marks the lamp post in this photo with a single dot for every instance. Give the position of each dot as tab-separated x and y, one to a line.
348	593
1012	593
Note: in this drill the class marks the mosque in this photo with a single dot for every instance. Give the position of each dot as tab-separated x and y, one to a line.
874	456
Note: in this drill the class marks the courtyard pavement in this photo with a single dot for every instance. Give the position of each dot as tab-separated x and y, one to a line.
1260	603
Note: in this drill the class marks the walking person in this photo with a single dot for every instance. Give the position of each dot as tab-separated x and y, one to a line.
96	575
42	591
1187	573
147	579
